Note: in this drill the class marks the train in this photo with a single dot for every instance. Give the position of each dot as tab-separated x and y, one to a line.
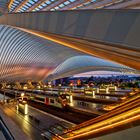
52	99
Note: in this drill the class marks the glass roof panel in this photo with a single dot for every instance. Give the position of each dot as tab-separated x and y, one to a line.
32	2
67	2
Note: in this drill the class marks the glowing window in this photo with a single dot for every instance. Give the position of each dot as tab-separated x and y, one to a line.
31	2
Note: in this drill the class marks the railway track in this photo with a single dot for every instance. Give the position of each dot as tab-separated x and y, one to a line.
69	115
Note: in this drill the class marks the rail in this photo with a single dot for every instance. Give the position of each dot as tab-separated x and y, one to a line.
122	108
126	113
113	124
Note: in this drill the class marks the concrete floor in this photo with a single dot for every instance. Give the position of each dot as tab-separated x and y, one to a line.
29	127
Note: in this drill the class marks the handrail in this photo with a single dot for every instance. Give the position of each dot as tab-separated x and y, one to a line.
6	132
107	115
129	117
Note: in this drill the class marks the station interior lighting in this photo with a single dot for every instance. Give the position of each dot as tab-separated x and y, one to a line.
26	109
25	87
22	95
59	85
71	99
97	90
107	90
93	94
38	87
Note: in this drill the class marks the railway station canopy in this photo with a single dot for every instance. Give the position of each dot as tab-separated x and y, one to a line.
26	54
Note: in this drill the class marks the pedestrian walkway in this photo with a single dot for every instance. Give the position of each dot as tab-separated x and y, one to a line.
86	107
17	133
35	122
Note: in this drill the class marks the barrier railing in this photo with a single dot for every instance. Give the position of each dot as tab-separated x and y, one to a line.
6	132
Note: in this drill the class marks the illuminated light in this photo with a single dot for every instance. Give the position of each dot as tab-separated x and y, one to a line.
65	89
26	109
107	97
71	99
22	94
124	98
49	86
59	85
97	90
71	85
107	90
93	94
132	93
137	117
116	88
10	4
25	87
108	107
121	116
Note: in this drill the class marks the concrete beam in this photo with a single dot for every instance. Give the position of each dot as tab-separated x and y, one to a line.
109	34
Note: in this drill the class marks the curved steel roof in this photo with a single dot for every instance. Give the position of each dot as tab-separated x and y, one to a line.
52	5
24	56
79	64
3	6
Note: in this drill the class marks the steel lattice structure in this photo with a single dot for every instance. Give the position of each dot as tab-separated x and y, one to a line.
24	56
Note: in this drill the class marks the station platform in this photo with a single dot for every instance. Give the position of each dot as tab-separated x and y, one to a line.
16	131
95	100
86	107
32	125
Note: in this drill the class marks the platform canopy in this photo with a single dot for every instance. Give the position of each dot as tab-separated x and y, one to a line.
85	63
24	56
53	5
